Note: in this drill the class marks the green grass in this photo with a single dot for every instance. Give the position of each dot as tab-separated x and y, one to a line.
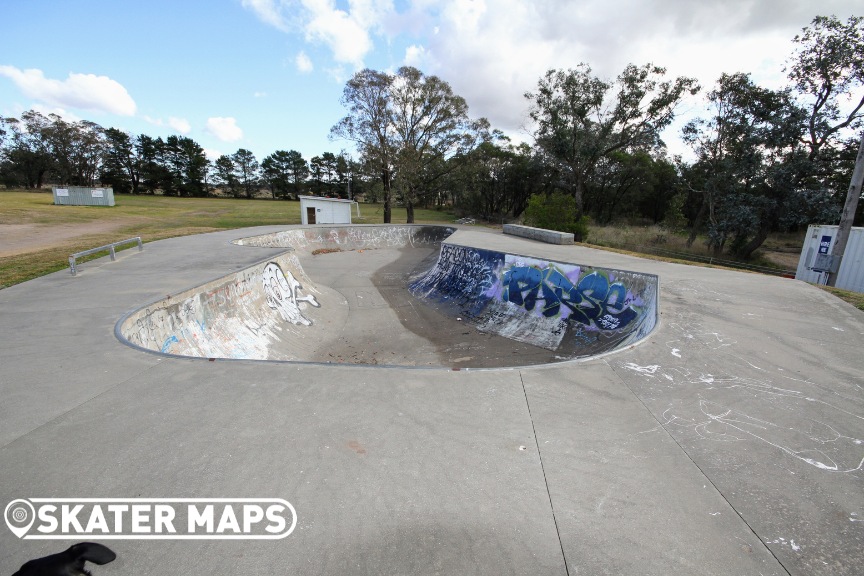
153	218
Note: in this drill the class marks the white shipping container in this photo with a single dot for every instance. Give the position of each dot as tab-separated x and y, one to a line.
851	273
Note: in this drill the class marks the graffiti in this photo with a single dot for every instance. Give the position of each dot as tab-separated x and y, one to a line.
351	237
168	342
461	276
232	317
582	337
281	292
593	301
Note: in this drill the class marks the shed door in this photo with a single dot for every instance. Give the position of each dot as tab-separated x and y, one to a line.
310	215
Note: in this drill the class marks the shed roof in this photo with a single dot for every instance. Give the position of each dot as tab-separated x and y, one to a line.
323	199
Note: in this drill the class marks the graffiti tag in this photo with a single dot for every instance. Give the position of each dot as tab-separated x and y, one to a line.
594	301
281	291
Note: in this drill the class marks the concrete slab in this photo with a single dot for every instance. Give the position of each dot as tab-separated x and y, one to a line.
731	441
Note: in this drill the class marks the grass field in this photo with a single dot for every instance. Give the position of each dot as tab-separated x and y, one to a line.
158	217
151	217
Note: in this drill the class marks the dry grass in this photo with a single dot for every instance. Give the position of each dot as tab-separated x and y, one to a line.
854	298
152	218
779	251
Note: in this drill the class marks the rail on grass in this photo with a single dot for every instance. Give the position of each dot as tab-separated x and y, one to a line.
73	259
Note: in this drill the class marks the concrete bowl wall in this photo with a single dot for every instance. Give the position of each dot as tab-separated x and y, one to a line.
267	311
575	310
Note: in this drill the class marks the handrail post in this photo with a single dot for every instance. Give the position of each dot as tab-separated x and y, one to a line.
109	247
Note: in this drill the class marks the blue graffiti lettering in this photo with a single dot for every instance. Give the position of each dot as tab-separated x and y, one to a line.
593	301
168	342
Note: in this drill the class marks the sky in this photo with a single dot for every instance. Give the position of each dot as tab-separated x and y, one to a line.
268	75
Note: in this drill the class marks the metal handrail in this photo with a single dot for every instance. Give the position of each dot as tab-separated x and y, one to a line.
109	247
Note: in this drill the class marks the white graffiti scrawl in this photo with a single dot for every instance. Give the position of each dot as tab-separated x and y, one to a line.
281	291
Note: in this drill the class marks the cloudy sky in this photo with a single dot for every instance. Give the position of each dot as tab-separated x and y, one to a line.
268	74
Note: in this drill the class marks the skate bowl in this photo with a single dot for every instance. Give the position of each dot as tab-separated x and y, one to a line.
398	296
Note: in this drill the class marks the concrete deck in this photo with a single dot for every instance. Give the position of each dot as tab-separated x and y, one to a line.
730	442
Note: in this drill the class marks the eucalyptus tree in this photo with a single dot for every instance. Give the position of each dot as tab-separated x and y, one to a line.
827	72
430	126
581	119
368	125
750	161
77	149
28	150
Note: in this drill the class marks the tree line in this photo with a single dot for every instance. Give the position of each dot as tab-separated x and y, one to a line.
36	149
763	159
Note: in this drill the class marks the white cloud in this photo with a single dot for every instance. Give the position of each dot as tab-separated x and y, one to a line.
268	11
303	63
225	129
212	154
346	37
415	56
179	125
347	33
82	91
260	94
493	51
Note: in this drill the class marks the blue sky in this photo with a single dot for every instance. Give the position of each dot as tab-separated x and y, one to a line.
268	74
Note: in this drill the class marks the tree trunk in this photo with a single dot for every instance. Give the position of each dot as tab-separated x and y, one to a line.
697	222
747	250
409	208
385	180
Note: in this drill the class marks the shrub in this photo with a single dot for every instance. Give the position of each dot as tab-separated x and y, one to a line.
556	212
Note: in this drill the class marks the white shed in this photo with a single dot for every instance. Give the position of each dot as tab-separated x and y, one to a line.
820	240
318	210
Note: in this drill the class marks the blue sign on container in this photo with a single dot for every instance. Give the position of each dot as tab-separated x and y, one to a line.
825	244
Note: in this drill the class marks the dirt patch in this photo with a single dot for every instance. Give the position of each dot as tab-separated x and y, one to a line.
18	239
787	260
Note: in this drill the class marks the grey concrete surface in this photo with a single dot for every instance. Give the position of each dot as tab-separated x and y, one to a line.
730	442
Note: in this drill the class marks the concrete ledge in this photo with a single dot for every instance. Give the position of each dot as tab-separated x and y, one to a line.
541	234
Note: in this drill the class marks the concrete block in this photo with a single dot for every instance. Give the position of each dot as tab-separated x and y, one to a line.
541	234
